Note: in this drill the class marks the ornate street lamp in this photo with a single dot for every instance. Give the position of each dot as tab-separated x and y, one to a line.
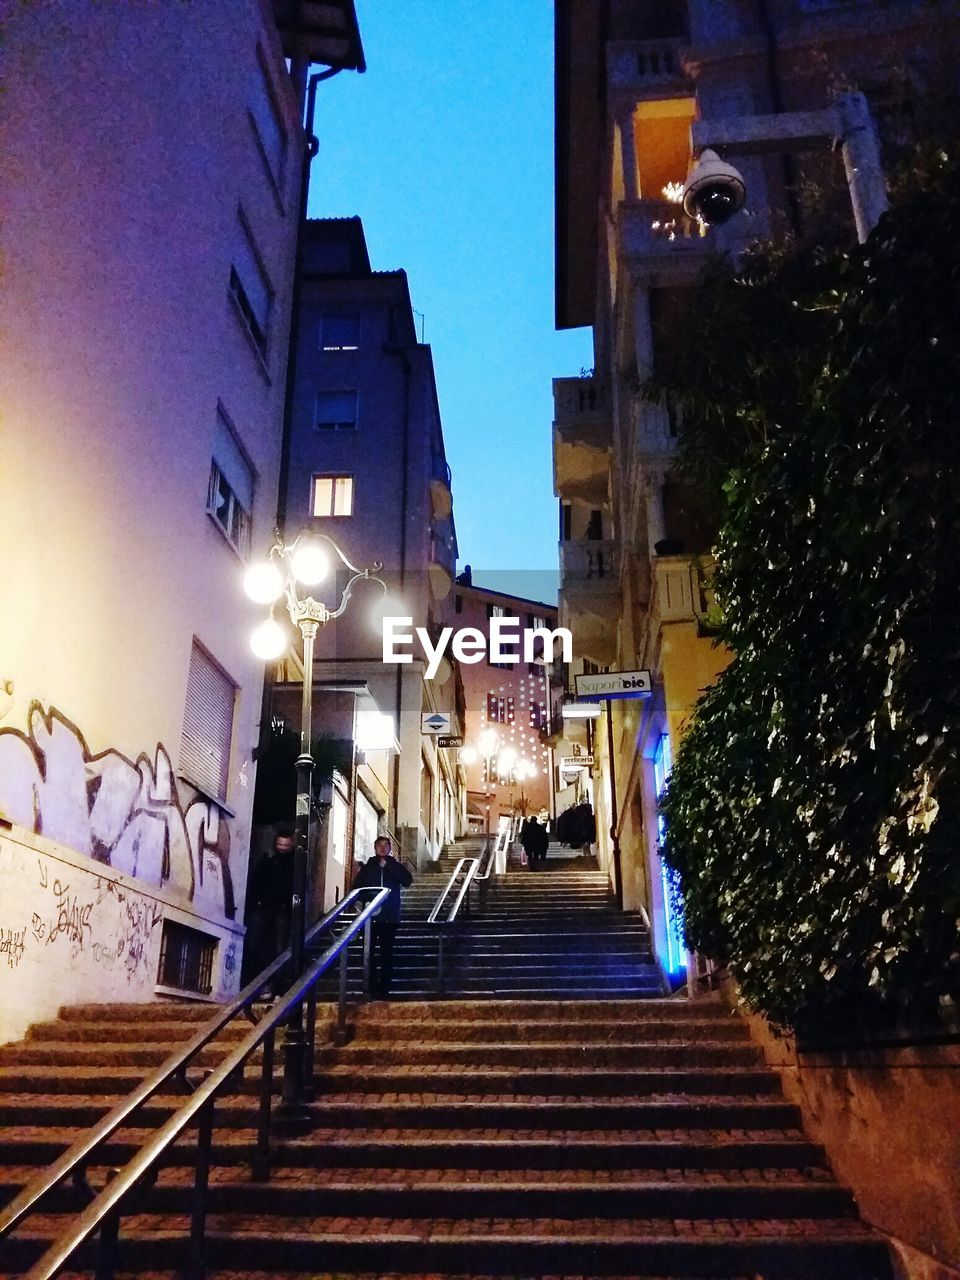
306	562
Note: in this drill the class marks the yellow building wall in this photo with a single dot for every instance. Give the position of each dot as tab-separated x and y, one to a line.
690	663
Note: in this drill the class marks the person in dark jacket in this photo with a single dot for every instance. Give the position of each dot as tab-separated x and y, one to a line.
535	839
383	871
269	898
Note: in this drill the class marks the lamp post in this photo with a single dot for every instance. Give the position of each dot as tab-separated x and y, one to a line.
306	562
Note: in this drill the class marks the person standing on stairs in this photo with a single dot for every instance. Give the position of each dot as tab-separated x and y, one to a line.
383	871
269	898
535	839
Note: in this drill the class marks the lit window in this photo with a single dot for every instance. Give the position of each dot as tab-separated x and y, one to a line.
340	332
250	287
332	496
336	410
230	492
207	725
268	122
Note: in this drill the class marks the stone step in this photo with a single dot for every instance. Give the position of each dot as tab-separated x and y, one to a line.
432	1111
795	1249
709	1009
148	1011
560	1150
596	1031
73	1052
505	1055
401	1194
612	1082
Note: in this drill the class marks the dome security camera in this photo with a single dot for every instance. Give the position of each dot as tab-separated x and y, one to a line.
714	192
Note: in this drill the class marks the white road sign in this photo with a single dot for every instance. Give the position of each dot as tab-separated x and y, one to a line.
606	685
436	722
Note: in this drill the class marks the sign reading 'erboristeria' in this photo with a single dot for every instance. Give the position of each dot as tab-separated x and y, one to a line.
508	642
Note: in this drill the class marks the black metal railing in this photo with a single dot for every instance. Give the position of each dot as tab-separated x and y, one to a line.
454	904
102	1215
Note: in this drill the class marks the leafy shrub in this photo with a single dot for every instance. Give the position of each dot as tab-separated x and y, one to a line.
814	809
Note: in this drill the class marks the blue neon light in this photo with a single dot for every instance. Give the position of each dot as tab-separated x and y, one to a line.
669	880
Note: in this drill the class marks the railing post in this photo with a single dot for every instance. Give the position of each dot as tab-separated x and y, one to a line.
107	1242
196	1266
341	1034
311	1041
260	1165
367	958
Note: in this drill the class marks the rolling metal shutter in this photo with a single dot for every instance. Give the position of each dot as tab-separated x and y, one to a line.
207	725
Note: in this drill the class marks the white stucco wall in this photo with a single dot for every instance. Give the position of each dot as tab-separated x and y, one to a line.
128	150
73	930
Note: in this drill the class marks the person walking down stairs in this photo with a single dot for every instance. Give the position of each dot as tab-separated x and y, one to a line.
534	840
383	870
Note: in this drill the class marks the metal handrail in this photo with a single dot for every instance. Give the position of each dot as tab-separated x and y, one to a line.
106	1205
450	918
488	860
473	866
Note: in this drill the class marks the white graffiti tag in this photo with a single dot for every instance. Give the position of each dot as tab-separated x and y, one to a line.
126	815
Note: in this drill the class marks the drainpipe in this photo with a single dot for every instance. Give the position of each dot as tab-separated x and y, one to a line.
402	352
311	147
775	88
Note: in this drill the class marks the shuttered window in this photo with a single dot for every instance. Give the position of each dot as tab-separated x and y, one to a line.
250	286
207	725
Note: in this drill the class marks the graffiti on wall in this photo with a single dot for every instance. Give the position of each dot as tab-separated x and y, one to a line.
126	814
99	918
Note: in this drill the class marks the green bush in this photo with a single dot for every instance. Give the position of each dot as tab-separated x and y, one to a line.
814	809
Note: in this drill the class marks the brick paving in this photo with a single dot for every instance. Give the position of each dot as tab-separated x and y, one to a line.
465	1139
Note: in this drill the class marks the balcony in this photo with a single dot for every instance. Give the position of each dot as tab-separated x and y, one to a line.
647	68
589	575
683	591
441	496
658	236
440	566
582	439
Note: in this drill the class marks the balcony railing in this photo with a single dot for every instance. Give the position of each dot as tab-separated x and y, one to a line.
683	590
575	398
587	563
641	65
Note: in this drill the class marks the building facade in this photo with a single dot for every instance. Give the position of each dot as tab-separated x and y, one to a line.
510	768
367	467
149	250
631	78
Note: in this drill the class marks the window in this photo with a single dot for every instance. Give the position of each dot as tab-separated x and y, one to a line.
230	493
186	958
268	122
336	410
340	332
496	709
332	496
458	603
250	287
207	725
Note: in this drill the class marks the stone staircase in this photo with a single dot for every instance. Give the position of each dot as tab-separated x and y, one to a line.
638	1138
545	935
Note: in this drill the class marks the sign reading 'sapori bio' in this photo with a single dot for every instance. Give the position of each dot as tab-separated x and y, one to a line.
614	684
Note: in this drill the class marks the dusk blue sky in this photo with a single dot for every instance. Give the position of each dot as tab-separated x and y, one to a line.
444	147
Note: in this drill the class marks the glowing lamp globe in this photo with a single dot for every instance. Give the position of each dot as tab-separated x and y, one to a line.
310	562
263	582
387	607
487	742
506	760
269	640
468	755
